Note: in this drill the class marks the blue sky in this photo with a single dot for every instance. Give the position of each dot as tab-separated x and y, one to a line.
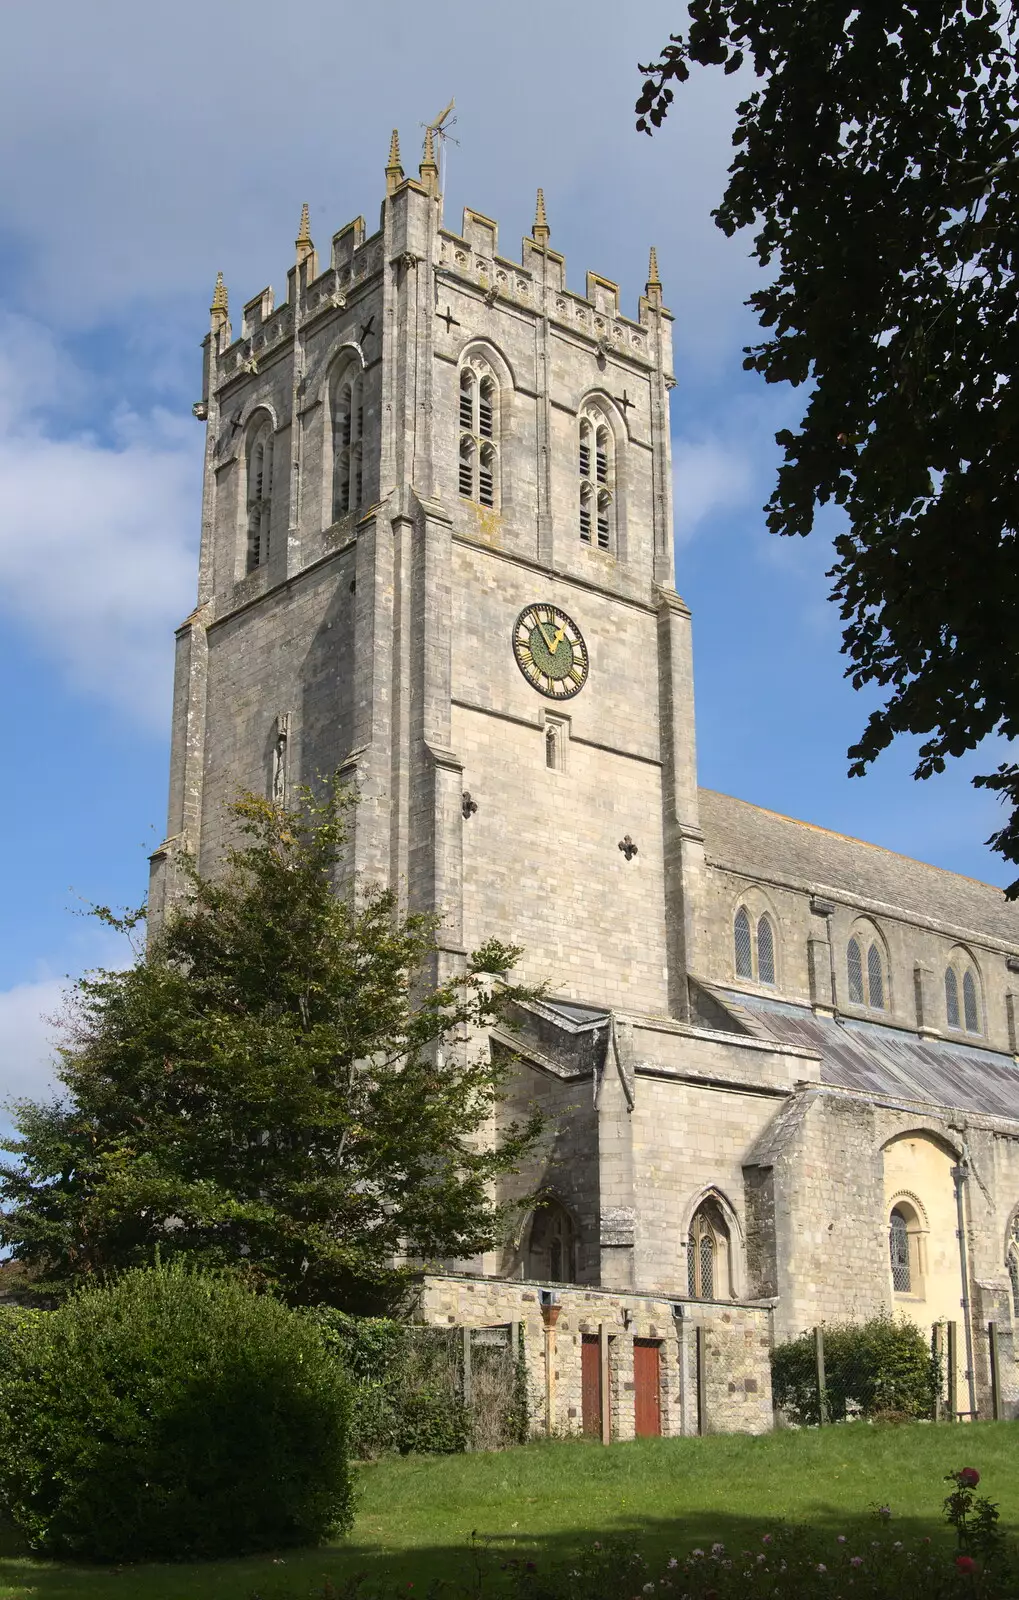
148	148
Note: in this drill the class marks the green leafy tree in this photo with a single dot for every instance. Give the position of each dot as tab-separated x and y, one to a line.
278	1086
877	160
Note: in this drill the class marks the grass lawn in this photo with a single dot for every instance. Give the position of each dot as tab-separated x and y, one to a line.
416	1514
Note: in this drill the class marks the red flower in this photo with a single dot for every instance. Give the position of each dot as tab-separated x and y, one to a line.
965	1564
969	1477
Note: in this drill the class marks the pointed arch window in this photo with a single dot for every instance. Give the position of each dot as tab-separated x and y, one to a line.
259	494
597	482
754	949
743	944
765	951
962	994
865	971
854	971
478	459
347	439
875	978
707	1254
1012	1261
969	1003
552	1247
951	998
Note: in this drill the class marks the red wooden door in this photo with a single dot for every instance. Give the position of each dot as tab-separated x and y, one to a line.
590	1385
647	1407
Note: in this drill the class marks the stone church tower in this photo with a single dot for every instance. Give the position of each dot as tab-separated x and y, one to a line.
780	1064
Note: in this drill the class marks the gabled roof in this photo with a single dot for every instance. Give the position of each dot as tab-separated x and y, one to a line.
764	844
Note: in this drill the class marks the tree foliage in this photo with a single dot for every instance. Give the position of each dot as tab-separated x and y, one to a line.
876	158
278	1086
171	1415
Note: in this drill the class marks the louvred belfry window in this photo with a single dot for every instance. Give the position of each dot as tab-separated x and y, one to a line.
347	430
478	459
596	504
259	494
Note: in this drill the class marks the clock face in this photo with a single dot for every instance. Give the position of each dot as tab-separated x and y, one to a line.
550	651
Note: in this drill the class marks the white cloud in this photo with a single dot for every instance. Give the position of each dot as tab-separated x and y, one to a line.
27	1032
151	155
709	476
97	558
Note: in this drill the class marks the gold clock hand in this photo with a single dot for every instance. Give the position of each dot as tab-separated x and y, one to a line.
544	635
557	641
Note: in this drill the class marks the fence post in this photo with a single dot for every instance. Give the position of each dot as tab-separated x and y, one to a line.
604	1383
822	1398
938	1352
952	1343
702	1380
992	1339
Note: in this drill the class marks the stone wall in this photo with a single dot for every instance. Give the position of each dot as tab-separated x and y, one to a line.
737	1341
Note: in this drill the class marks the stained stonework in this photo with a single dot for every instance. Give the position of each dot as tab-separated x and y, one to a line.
742	1117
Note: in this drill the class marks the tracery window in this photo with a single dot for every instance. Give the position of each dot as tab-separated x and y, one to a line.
754	955
596	473
865	974
347	433
259	493
552	1247
960	976
478	465
707	1253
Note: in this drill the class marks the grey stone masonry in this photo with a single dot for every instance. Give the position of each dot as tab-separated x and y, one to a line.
437	557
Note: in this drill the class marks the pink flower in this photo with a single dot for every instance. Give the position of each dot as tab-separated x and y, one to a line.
965	1564
821	1567
765	1538
841	1539
856	1561
969	1477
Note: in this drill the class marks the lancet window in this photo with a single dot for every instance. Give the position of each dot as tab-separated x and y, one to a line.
962	994
754	950
552	1248
478	463
259	493
865	972
707	1254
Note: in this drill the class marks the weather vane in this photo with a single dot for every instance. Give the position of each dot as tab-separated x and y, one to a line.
442	124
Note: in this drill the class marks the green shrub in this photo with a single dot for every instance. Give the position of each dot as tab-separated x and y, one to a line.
871	1368
171	1415
405	1384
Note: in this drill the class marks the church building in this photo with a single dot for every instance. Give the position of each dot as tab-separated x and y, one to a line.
779	1064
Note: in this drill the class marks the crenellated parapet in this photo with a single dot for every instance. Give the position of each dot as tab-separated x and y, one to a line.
535	284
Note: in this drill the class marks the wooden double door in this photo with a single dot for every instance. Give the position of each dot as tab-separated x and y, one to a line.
647	1387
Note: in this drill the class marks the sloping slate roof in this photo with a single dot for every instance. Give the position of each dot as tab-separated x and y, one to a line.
765	844
874	1059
